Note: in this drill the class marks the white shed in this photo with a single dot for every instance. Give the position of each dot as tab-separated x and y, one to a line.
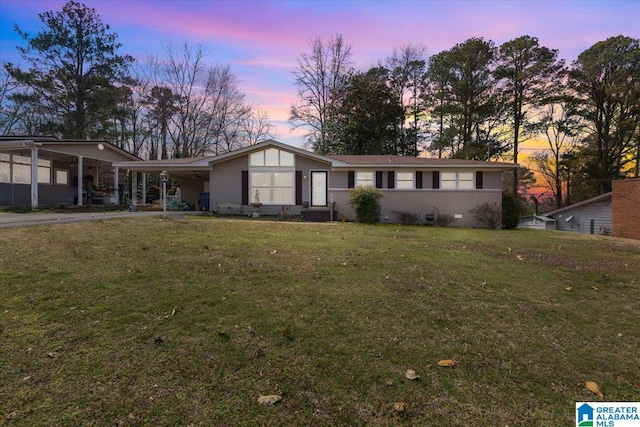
591	216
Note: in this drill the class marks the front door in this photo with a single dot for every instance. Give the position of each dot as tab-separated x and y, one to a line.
318	189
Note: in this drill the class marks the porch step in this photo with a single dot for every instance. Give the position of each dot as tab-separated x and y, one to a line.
316	215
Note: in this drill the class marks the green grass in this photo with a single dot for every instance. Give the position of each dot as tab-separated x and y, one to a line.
329	317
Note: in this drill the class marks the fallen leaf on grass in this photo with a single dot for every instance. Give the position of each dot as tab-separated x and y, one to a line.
593	387
568	288
173	312
270	399
398	407
411	375
519	257
447	363
594	288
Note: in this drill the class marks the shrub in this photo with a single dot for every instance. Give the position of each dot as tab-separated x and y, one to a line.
365	201
443	220
488	213
406	217
512	209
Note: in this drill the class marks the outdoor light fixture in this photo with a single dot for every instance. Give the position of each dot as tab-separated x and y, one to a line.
164	177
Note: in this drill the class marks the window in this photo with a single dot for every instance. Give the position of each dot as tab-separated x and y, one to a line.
456	180
44	171
404	180
272	187
271	157
62	177
21	170
272	177
5	167
364	179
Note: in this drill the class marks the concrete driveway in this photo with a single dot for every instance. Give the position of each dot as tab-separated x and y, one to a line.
27	219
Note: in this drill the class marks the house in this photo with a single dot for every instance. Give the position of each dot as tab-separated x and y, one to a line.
626	208
39	170
537	222
281	177
591	216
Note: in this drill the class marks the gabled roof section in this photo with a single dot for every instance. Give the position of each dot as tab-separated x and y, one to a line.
599	198
406	161
268	144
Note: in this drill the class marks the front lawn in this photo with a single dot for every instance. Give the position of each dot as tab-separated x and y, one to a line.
188	321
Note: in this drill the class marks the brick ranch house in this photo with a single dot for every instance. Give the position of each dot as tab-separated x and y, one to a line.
283	177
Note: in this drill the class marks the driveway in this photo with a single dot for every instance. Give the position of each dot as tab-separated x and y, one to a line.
23	220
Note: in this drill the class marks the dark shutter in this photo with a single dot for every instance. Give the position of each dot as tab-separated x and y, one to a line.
298	187
391	179
351	179
378	179
418	179
245	187
436	179
478	180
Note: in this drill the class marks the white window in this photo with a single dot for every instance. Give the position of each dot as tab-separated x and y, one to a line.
272	188
457	180
44	171
62	177
272	177
404	180
364	179
5	167
271	157
21	170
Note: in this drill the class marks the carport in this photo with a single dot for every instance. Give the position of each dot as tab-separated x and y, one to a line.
42	170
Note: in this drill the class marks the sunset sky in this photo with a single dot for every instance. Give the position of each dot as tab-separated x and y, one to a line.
261	40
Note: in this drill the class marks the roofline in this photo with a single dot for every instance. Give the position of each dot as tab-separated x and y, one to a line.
474	166
270	142
46	142
584	202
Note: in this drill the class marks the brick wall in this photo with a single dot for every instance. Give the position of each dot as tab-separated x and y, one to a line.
626	208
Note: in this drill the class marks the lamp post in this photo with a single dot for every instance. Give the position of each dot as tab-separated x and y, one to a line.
164	177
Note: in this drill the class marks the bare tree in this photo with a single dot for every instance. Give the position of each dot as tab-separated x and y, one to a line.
317	75
257	128
209	106
10	110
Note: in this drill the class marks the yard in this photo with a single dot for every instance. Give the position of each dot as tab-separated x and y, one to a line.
189	321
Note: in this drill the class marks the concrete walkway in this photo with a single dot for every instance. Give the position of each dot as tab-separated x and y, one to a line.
27	219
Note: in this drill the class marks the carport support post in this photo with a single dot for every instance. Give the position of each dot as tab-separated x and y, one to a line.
116	187
144	189
80	180
34	178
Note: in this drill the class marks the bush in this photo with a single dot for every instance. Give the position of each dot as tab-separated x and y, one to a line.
406	217
365	201
443	220
512	209
488	213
